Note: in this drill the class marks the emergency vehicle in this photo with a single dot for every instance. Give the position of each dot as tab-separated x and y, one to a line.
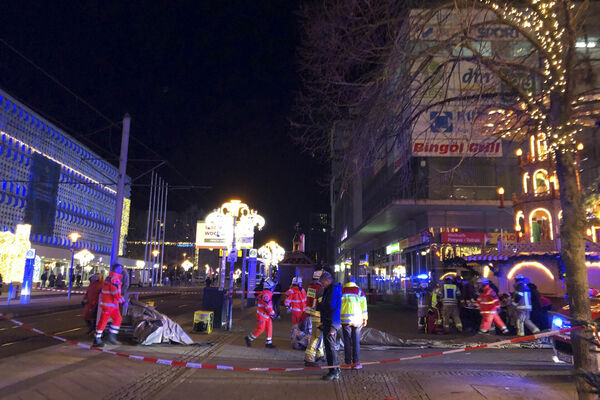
563	352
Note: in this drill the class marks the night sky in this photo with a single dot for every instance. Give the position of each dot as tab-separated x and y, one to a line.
209	85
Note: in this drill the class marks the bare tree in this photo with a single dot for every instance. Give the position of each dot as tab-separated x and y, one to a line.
380	70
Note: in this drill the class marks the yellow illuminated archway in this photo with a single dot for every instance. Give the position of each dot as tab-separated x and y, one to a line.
544	177
543	210
447	274
535	264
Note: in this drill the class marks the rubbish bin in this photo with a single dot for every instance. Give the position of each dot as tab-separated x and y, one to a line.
203	321
215	300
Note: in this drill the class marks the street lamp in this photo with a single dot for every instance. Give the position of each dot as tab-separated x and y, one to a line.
74	236
237	222
155	254
271	253
501	193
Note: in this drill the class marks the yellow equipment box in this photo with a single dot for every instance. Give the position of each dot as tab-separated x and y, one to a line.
203	321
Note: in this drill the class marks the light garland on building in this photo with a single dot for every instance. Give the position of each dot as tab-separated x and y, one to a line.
539	23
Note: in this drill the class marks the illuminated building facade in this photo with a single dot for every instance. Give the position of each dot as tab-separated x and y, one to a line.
54	183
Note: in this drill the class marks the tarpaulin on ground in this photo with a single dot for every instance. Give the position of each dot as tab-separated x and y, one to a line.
152	327
373	336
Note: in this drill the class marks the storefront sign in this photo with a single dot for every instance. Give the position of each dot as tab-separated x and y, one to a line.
447	148
392	248
463	237
507	237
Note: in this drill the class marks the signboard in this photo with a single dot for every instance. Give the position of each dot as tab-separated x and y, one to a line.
507	237
208	236
253	253
448	148
40	208
392	248
463	237
27	276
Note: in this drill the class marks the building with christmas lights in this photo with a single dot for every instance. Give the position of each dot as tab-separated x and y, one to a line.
429	203
51	185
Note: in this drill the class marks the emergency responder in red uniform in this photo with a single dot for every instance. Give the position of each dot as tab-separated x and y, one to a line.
314	350
264	315
488	304
295	302
90	301
110	298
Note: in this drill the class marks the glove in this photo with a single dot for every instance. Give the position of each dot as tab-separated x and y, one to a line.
288	310
364	323
274	316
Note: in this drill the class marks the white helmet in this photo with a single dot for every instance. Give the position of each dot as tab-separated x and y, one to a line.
269	284
297	281
317	274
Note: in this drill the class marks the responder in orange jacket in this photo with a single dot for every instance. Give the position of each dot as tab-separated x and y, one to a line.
90	301
264	315
110	298
314	350
295	302
488	304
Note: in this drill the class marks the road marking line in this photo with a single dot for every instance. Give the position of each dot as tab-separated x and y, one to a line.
8	344
70	330
183	305
16	326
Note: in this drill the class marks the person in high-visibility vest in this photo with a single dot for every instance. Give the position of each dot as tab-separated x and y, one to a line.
354	316
314	350
295	301
449	293
488	304
264	315
110	298
522	301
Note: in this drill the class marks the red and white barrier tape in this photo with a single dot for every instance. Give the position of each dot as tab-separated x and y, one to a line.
294	369
141	293
252	291
60	290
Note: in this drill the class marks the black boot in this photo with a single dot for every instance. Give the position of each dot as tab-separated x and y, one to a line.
270	346
112	339
248	341
98	343
333	375
91	327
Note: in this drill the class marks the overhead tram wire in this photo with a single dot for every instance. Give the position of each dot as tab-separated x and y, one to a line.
90	106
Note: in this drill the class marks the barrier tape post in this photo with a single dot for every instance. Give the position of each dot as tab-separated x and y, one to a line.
292	369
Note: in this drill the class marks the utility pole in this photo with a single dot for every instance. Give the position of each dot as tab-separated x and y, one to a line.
164	229
147	249
114	254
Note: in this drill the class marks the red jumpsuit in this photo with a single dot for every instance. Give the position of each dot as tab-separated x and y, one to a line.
488	305
110	298
264	312
296	302
91	299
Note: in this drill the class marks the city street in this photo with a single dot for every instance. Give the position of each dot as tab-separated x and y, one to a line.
37	367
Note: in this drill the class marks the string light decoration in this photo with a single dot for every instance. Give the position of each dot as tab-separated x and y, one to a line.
538	21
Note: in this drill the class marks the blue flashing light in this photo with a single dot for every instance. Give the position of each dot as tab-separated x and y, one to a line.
422	276
558	322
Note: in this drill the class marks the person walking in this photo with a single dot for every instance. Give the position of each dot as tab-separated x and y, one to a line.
90	301
330	308
264	316
449	294
354	317
522	301
110	298
295	300
488	304
277	300
314	350
44	278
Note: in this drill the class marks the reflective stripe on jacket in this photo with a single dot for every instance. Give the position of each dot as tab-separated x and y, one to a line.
265	305
488	301
312	299
296	299
110	295
354	305
522	297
